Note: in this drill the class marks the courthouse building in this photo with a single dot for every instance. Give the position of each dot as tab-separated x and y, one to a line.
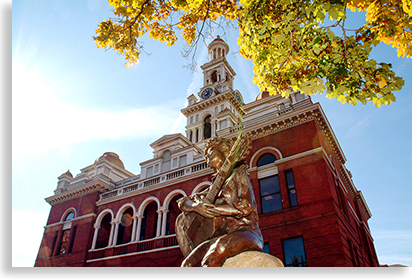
310	212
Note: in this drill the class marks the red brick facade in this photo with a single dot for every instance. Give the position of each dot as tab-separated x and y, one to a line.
334	234
314	215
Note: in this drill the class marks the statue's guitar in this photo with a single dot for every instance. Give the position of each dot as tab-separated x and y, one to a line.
197	228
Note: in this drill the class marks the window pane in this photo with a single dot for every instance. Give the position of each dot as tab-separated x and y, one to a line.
266	159
182	161
65	239
289	179
266	248
269	185
271	203
69	216
294	252
292	197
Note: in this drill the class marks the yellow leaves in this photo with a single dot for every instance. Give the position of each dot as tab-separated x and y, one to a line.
407	6
290	47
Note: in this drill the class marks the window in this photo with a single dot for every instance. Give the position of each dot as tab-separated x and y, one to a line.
213	77
64	241
166	161
293	201
294	252
266	159
174	211
104	232
124	234
216	110
149	171
69	216
182	161
271	198
207	127
266	248
149	222
156	168
191	119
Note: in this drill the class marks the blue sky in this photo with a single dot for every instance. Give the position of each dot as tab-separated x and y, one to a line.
71	102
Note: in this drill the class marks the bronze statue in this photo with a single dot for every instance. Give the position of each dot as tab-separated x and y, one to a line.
221	221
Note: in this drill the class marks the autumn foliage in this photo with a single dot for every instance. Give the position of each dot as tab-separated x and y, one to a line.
291	45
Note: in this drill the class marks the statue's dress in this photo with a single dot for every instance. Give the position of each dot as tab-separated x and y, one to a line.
240	231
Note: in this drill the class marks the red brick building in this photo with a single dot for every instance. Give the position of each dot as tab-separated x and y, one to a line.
311	213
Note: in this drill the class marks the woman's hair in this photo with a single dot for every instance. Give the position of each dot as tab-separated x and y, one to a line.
221	144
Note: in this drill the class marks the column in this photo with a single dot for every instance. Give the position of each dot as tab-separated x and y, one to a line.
200	134
213	126
96	233
112	229
164	219
139	226
133	238
159	222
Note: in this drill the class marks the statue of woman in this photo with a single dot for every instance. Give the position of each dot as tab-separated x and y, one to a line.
232	214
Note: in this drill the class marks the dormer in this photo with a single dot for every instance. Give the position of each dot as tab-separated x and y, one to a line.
64	182
191	100
169	152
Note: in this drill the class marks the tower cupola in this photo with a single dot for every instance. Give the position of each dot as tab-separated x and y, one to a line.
217	48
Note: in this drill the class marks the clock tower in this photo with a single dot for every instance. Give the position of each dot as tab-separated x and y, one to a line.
218	110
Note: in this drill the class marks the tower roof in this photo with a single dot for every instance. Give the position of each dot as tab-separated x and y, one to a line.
113	158
262	95
218	44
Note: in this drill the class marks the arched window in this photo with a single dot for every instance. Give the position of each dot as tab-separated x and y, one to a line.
174	211
207	127
69	216
266	159
213	77
124	234
166	161
104	232
149	222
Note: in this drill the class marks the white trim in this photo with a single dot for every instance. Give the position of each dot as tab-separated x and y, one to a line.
145	203
123	209
200	185
261	151
64	215
170	196
74	219
133	254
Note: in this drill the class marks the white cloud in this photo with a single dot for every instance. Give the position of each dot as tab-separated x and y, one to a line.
197	83
42	121
246	73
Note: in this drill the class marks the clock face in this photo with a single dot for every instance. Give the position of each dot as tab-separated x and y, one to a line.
207	93
238	98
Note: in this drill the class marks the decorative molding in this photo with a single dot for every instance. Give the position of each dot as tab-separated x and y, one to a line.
90	215
90	187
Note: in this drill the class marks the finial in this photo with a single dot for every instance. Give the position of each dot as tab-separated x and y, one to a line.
218	36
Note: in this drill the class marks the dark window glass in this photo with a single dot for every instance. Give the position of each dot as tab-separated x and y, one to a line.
291	188
104	232
207	128
266	248
294	252
69	216
69	250
63	243
266	159
270	194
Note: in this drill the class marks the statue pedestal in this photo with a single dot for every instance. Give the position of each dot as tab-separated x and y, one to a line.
253	259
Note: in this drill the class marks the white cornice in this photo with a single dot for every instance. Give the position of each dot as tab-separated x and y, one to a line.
97	184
